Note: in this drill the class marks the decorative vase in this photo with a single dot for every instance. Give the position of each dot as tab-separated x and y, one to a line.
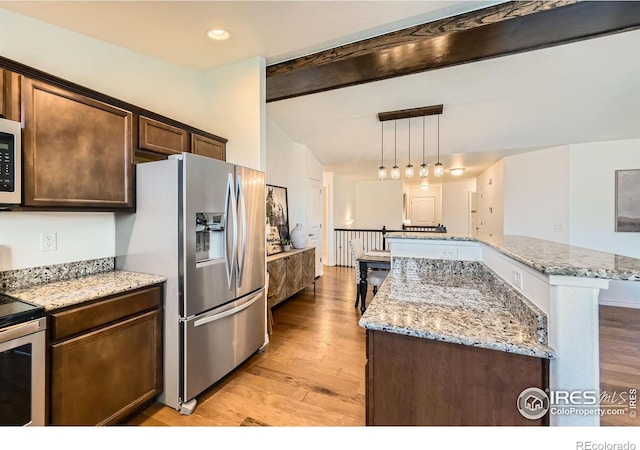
286	247
298	236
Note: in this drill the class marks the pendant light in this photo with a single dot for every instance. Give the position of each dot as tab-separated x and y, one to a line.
438	169
382	170
408	171
395	170
424	169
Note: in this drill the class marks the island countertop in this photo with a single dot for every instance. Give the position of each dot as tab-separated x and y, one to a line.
457	302
60	294
550	258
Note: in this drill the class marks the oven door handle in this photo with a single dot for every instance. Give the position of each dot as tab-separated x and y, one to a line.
22	329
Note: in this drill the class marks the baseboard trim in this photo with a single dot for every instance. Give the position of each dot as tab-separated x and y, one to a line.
620	303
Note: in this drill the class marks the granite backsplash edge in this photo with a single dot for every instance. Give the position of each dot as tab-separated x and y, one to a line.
23	278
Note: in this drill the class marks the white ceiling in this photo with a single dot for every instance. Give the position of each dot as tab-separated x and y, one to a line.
175	31
581	92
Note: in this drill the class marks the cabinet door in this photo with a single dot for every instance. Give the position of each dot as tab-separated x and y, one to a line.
77	150
277	280
99	378
202	145
308	267
161	138
294	273
9	95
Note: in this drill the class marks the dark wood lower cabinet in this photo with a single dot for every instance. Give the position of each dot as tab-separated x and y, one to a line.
414	381
111	367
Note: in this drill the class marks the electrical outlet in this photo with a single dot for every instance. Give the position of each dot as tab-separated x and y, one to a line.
449	253
516	279
48	242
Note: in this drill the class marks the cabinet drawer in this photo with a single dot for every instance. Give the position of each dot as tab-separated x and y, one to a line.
83	318
161	138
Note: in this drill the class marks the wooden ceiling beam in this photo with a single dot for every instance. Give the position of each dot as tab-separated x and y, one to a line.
500	30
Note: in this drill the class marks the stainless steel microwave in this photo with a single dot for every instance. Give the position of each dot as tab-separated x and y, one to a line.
10	162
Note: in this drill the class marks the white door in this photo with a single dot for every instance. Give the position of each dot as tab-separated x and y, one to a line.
423	211
314	219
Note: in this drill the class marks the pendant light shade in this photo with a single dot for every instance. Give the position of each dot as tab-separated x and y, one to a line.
382	170
424	169
438	169
408	171
395	170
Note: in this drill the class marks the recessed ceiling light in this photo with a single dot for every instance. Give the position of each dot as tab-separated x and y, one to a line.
218	34
457	171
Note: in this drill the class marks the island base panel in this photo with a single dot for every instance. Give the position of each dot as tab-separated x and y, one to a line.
415	381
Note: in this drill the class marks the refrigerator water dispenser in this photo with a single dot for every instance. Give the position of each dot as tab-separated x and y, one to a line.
209	236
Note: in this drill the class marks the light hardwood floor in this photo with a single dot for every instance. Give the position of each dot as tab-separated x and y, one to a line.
312	372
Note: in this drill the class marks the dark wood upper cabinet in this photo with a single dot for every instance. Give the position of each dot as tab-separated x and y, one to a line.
78	151
161	138
205	146
9	95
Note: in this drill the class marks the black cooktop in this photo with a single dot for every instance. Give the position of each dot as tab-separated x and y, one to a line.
14	311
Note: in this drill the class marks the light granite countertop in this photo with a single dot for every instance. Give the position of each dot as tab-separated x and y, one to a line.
550	258
59	294
457	302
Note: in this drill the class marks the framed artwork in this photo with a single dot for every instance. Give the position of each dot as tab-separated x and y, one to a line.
277	217
628	200
274	245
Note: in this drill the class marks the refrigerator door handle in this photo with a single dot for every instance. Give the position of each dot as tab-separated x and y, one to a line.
230	312
243	209
230	207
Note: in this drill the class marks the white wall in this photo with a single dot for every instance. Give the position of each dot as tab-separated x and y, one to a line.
232	108
290	165
592	195
455	206
235	106
139	79
344	201
80	236
378	204
536	194
490	188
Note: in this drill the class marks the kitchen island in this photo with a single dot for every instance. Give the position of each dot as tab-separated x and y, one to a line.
560	280
449	343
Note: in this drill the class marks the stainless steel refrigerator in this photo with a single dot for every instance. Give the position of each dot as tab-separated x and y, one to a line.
201	223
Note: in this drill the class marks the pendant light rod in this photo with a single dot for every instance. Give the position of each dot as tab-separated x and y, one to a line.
408	113
438	139
395	170
382	146
409	141
422	139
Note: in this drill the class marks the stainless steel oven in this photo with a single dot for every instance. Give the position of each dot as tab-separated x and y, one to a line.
22	362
